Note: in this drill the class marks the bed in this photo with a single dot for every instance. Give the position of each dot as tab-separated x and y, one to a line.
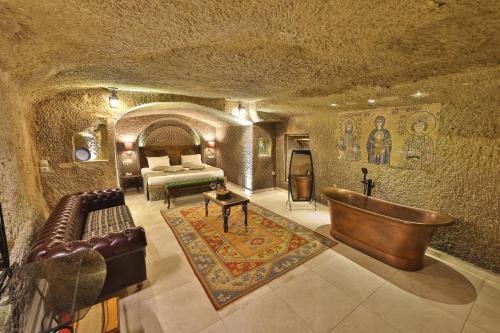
155	181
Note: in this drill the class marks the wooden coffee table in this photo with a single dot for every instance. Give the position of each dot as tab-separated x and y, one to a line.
226	204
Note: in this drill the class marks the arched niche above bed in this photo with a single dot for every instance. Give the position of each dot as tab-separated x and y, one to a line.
168	137
168	132
171	135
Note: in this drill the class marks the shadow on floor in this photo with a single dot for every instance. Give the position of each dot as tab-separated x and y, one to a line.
324	230
436	281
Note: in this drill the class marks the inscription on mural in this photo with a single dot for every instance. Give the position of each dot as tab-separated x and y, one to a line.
402	137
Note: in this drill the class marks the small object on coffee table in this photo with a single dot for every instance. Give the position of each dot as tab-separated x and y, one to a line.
222	194
232	200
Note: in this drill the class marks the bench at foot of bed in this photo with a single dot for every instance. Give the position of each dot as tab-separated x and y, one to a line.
189	187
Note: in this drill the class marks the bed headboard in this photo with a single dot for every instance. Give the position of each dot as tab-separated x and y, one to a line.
174	152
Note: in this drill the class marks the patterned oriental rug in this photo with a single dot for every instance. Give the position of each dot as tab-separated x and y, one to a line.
230	265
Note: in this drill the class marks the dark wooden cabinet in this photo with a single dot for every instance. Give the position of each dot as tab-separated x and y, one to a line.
126	181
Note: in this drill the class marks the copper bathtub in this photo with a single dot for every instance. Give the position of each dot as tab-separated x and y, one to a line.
395	234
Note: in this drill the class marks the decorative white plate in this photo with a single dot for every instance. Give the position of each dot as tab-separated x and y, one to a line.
82	154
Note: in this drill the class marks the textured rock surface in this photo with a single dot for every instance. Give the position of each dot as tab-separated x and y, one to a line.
57	119
465	180
235	155
237	149
271	49
23	207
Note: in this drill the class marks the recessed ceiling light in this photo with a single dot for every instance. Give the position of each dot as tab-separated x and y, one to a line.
419	94
334	104
371	101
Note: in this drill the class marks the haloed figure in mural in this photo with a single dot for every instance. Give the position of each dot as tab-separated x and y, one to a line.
349	144
419	146
379	143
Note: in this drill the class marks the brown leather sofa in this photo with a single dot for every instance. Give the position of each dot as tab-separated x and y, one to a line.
123	251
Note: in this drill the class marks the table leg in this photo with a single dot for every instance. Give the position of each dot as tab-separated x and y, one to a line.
225	213
245	210
206	206
137	184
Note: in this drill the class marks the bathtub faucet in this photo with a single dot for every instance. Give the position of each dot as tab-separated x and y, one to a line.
368	184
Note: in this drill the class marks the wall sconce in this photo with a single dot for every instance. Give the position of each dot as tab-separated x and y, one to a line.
44	166
129	146
114	102
211	144
240	111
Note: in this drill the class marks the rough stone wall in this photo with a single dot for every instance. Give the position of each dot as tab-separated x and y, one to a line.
464	182
24	209
278	50
237	155
57	119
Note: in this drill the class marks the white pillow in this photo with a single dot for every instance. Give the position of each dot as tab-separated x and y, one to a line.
154	162
194	159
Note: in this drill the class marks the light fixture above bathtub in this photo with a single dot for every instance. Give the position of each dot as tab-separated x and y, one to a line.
114	101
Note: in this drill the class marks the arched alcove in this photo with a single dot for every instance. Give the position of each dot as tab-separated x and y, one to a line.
176	131
145	131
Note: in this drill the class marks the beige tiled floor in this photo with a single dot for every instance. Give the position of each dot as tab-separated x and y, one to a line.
340	290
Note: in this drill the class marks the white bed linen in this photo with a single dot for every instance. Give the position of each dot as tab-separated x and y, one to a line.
162	180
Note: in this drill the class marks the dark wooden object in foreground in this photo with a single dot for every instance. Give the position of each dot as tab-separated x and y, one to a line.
125	180
189	188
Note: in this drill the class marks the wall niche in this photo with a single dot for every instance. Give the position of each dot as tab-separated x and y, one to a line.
91	144
264	145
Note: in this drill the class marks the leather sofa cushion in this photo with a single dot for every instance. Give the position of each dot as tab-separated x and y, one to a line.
104	221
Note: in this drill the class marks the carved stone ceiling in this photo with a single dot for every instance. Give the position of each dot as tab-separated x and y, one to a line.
271	51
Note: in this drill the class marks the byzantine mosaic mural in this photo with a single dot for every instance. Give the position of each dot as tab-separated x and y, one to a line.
402	137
